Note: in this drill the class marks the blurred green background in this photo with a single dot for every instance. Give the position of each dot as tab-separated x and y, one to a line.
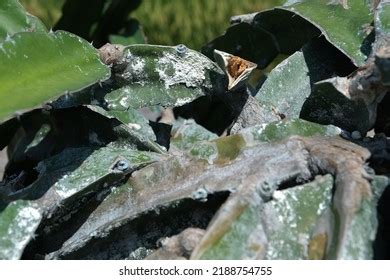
170	22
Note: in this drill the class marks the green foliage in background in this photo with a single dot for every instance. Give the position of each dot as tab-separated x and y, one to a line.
192	22
168	22
49	11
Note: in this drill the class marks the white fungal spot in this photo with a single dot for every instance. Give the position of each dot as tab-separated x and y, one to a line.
278	195
182	101
136	69
20	231
134	126
188	69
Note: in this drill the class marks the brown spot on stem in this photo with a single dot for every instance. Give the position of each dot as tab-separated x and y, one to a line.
317	247
236	66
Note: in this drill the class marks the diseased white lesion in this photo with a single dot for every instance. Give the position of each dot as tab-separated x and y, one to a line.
135	71
182	101
20	231
344	3
188	69
134	126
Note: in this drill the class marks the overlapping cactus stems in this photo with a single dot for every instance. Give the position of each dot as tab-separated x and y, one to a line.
252	162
